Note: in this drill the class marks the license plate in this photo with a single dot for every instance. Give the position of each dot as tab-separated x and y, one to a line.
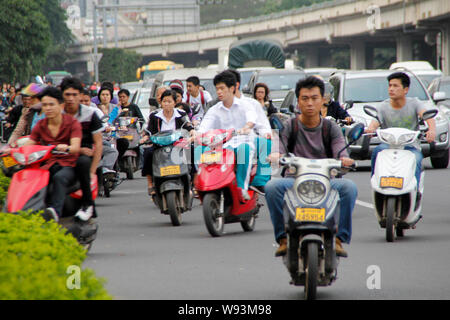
211	157
9	161
127	137
310	214
391	182
170	170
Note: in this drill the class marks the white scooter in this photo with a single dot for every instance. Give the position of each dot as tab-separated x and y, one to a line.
397	199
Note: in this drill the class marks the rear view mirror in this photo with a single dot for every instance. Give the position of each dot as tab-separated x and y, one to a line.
429	114
276	123
355	133
348	104
371	111
439	96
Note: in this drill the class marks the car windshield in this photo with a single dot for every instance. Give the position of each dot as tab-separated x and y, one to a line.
245	77
375	89
143	99
280	81
427	78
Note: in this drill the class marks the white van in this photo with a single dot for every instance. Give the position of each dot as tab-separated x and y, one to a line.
423	69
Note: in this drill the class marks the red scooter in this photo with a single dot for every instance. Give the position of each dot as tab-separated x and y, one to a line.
217	187
29	188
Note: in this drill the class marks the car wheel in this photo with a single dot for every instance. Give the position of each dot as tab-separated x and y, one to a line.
440	162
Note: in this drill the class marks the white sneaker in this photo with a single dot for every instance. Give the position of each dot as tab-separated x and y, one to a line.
106	170
85	213
50	214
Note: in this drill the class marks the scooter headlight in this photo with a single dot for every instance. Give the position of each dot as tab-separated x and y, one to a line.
35	156
20	158
387	137
311	191
406	138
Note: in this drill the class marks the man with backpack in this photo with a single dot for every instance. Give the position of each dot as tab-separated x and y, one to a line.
311	136
196	98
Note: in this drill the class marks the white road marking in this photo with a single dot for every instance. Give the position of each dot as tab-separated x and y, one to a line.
365	204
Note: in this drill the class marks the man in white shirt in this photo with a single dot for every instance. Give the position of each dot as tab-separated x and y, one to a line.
263	142
196	98
232	113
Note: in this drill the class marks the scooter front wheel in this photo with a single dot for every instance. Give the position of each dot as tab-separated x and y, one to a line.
312	271
211	213
249	225
173	206
390	215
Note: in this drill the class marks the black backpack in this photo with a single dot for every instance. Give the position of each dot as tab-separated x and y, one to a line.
326	137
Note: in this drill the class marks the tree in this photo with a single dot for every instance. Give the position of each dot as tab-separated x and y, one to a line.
118	65
24	39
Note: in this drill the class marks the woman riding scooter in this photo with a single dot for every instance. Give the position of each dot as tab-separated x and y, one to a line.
169	118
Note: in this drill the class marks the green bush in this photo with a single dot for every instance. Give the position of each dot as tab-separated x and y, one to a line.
4	184
34	259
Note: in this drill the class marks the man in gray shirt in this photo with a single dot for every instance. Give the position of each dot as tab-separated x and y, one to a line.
401	112
314	141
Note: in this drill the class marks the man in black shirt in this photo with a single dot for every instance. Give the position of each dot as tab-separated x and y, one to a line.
91	143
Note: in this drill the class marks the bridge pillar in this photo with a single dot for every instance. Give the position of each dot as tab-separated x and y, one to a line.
312	57
357	55
446	50
404	48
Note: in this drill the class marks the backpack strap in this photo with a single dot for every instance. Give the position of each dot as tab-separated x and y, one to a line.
326	137
293	134
202	96
188	98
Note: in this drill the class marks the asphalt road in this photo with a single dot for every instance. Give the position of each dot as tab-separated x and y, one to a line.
142	256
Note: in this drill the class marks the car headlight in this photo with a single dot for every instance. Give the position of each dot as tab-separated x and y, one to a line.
406	138
439	117
387	137
311	191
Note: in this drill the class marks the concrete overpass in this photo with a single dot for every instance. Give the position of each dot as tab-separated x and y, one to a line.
356	24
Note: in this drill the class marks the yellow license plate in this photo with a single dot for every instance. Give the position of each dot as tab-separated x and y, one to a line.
391	182
170	170
310	214
211	157
128	137
9	161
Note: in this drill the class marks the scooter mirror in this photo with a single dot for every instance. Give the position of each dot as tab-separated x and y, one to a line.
371	111
355	133
276	123
348	104
429	114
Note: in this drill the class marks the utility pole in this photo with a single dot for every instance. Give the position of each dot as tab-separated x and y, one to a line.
95	42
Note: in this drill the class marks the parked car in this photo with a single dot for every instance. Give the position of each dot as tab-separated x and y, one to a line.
370	87
246	74
206	77
279	81
140	98
423	69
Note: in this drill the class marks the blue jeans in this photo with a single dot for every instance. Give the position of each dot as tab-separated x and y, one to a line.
243	162
417	153
276	188
263	171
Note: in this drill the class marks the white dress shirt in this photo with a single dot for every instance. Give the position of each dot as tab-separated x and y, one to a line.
168	125
262	125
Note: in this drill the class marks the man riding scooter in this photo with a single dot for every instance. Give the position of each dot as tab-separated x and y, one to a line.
401	112
311	136
230	113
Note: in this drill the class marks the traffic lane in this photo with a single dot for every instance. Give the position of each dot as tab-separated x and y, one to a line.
144	257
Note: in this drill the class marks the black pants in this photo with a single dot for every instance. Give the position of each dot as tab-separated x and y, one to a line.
148	162
83	172
60	179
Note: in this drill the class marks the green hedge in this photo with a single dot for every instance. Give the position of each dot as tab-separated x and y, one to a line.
35	257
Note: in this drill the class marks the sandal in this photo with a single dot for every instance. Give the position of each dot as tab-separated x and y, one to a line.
151	191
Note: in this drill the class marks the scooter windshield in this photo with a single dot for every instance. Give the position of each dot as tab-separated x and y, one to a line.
165	138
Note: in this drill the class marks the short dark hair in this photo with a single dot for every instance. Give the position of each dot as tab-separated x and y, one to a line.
86	92
265	87
71	83
194	79
169	93
184	106
403	77
226	77
51	92
125	91
236	74
309	83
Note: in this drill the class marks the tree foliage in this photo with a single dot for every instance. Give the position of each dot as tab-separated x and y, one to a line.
31	30
118	65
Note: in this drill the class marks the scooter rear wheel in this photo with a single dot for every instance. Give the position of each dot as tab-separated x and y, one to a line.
213	222
129	168
249	225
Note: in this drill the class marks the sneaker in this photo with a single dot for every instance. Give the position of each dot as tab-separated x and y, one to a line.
106	170
245	195
258	189
85	213
282	249
50	214
340	252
